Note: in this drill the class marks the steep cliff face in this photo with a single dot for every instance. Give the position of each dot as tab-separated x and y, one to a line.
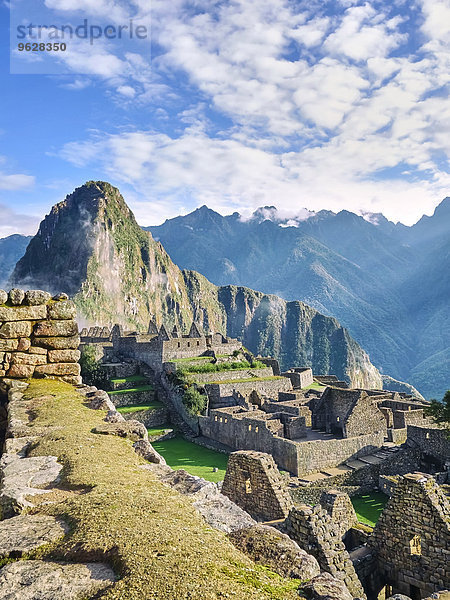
91	247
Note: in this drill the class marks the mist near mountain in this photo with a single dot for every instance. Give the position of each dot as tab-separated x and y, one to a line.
389	284
91	247
12	248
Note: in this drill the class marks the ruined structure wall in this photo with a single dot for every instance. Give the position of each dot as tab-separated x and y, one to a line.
254	483
430	440
364	417
412	537
227	375
403	418
316	455
38	336
269	387
315	531
248	434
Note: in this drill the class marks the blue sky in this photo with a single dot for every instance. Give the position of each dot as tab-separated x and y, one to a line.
318	105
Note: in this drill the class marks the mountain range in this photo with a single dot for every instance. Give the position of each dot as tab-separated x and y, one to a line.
389	284
91	247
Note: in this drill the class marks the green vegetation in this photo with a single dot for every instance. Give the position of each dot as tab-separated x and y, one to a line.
194	401
91	370
152	432
218	367
192	359
132	408
195	459
131	379
158	544
440	411
315	386
368	507
142	388
247	379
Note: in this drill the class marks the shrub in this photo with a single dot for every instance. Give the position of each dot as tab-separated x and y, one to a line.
91	370
194	401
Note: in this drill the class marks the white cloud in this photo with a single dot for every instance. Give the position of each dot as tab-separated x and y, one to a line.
15	182
13	222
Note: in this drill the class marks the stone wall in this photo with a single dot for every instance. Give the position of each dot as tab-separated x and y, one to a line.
433	441
412	537
38	336
230	374
267	387
248	433
317	533
317	455
338	505
254	483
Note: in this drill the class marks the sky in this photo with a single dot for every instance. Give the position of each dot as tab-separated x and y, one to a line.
234	104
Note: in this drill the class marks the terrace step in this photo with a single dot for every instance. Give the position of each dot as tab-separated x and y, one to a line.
126	383
142	395
120	369
355	464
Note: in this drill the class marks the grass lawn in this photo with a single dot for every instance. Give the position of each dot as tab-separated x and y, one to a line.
160	430
125	410
191	359
142	388
196	460
315	386
131	379
368	507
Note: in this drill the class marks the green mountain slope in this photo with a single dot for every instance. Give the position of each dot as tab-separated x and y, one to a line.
91	247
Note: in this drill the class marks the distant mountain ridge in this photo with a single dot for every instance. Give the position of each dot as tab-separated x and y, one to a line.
12	248
389	284
91	247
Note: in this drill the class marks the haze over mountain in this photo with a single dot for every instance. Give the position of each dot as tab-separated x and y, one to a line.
91	247
387	283
11	249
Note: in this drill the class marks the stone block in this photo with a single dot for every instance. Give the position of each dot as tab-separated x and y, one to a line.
3	297
15	329
59	369
64	356
36	297
22	358
24	344
56	328
21	371
36	350
8	345
72	379
62	310
57	343
16	296
23	313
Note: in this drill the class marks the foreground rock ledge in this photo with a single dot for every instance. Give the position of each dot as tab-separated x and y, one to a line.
22	534
36	579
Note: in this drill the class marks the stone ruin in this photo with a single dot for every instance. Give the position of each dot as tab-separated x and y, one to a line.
38	336
407	552
254	483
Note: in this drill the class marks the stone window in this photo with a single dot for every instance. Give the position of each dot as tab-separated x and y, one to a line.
220	419
249	427
338	419
248	486
215	418
179	344
189	344
428	435
256	429
415	546
198	343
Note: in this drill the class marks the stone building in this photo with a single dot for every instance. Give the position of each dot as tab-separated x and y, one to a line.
254	483
412	538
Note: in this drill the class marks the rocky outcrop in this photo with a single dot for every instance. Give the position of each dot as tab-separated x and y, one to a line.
24	533
325	587
91	247
268	546
32	579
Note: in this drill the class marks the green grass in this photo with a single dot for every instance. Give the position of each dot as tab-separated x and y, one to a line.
160	430
315	386
368	507
196	460
191	359
142	388
131	379
125	410
237	365
247	380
